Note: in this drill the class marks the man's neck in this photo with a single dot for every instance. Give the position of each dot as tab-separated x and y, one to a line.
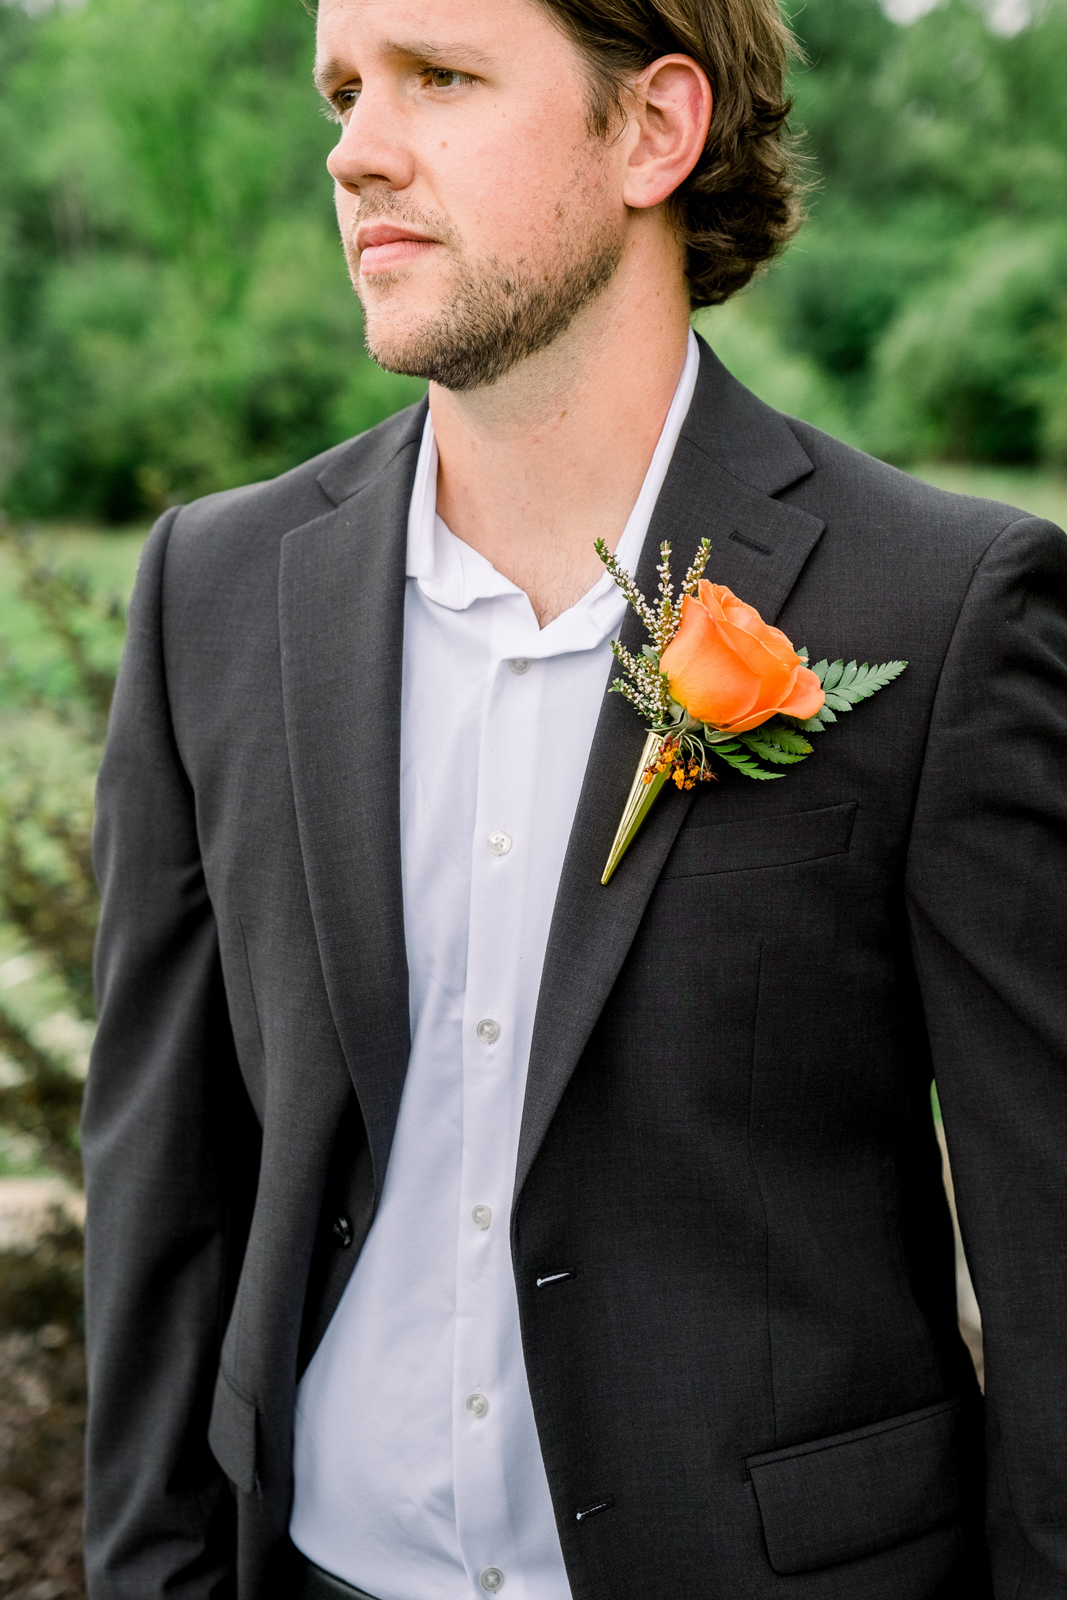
552	457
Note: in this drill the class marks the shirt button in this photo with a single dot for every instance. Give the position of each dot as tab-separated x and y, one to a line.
477	1405
481	1216
499	843
520	665
488	1031
492	1580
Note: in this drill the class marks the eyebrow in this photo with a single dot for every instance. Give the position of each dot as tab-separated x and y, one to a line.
328	74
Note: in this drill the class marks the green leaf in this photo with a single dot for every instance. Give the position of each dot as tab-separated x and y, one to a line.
742	762
820	669
868	680
771	751
785	739
837	702
802	652
817	723
832	674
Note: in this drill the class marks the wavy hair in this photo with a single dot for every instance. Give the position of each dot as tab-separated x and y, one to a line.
740	205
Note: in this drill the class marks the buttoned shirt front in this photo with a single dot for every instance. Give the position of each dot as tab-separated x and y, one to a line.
418	1473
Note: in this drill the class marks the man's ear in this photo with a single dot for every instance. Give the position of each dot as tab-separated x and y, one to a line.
669	116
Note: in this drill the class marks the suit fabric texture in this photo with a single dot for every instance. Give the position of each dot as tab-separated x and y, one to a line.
752	1383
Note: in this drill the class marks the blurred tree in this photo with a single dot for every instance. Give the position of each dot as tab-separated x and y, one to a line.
177	316
930	280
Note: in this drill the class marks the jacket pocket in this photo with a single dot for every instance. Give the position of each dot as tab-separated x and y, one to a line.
857	1493
232	1434
762	842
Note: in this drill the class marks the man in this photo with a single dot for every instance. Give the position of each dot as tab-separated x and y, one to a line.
459	1224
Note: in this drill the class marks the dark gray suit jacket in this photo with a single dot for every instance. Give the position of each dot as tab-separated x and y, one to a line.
727	1138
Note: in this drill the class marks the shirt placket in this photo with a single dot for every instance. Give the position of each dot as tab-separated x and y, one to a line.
488	1356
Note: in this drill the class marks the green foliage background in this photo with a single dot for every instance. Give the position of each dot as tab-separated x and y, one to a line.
924	305
175	315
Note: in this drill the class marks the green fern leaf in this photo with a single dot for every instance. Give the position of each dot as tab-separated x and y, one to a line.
820	669
870	679
773	752
832	674
742	762
785	739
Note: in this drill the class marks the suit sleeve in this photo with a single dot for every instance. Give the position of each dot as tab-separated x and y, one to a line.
168	1144
987	898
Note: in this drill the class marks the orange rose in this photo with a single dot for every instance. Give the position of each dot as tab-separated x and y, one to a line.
728	668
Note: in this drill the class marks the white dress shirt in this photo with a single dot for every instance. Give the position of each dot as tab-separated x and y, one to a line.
417	1464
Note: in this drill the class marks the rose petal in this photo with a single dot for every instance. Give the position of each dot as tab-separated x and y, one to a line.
709	595
776	678
807	696
706	676
773	639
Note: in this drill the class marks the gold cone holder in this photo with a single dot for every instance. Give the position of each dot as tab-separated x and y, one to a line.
639	803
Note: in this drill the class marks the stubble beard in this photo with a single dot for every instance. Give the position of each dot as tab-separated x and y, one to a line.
496	315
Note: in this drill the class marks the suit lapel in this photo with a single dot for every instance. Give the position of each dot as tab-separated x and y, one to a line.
734	453
341	608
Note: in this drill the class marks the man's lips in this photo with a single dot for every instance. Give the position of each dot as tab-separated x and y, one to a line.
383	246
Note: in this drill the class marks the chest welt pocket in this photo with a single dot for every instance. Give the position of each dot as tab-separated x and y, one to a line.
857	1493
762	842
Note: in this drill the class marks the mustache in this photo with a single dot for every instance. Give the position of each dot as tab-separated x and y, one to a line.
389	207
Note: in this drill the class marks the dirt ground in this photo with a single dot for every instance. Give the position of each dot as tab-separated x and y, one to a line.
42	1414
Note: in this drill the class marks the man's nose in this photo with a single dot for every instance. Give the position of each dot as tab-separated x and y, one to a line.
373	147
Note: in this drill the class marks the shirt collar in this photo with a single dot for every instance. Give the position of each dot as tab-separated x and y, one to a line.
453	574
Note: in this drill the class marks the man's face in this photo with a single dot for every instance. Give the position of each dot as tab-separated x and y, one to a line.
478	212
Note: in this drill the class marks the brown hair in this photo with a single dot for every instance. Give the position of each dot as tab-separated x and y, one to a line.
740	204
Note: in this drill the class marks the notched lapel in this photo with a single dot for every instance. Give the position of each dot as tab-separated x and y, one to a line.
341	605
758	548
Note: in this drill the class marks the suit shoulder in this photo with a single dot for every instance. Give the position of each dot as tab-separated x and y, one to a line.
255	517
855	489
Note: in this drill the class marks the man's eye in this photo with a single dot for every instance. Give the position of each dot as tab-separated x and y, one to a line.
445	77
344	100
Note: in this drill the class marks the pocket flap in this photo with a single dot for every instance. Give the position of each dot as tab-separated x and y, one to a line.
232	1435
740	846
852	1495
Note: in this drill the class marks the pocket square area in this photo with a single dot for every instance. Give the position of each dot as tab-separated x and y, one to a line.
762	842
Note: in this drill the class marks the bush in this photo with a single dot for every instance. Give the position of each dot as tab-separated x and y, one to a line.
968	371
180	319
928	287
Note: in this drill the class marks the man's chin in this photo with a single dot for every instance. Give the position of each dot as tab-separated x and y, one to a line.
394	351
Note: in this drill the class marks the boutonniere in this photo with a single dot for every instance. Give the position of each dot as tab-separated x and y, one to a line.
717	682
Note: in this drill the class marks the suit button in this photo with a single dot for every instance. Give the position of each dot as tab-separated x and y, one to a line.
342	1232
